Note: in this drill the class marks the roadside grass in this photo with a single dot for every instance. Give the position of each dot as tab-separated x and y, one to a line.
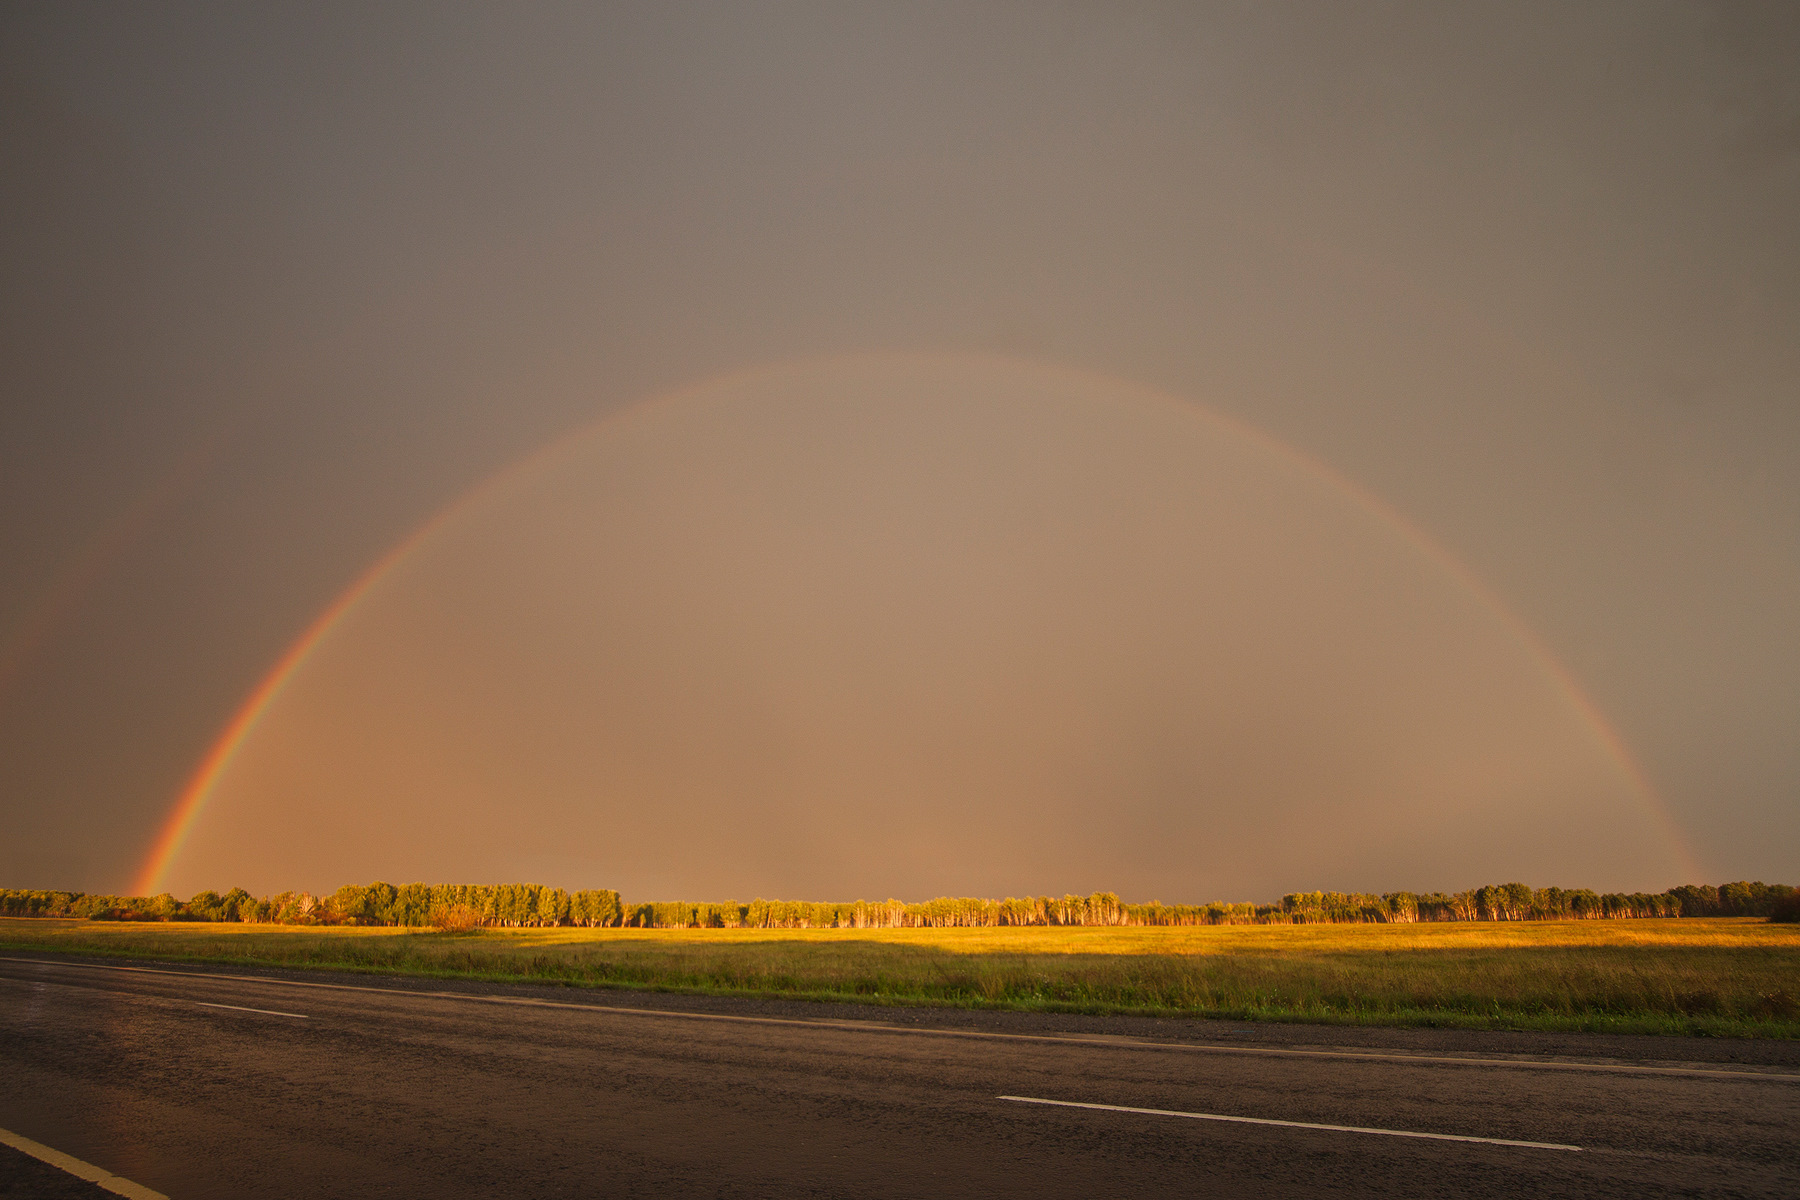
1712	976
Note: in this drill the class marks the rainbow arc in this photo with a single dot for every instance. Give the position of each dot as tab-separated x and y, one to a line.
193	798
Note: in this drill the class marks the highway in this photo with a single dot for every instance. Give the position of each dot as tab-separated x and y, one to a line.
198	1083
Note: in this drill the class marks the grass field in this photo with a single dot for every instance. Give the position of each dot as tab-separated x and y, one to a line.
1721	977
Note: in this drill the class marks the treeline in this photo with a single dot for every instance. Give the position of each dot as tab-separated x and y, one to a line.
518	905
1518	902
414	904
1102	908
1498	902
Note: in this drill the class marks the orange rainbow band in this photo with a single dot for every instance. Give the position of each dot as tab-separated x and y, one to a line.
193	797
1602	727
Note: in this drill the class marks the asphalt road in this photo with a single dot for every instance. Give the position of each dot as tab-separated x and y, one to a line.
202	1084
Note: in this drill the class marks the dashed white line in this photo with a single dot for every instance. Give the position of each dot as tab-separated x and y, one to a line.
98	1176
1199	1116
267	1012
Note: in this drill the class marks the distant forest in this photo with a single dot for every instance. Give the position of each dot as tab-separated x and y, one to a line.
517	905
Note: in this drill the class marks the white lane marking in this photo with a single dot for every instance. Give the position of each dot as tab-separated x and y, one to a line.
879	1027
267	1012
98	1176
1197	1116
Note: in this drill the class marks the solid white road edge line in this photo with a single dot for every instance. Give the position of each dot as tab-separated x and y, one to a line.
878	1027
267	1012
98	1176
1197	1116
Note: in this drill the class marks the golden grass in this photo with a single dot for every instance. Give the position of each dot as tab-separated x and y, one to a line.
1711	976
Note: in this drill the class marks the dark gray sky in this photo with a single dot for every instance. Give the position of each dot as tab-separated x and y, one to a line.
280	284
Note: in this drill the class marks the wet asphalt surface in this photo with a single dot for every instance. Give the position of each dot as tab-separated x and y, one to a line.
25	1178
349	1085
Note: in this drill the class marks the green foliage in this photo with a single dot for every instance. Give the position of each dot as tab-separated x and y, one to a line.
532	905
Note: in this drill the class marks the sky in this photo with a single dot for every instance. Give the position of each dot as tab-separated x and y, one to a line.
1201	451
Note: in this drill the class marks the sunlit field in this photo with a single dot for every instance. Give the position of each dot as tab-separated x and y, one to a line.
1689	976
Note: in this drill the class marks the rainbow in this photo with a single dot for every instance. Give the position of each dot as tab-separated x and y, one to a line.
193	797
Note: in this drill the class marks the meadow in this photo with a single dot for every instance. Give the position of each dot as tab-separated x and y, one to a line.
1693	976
